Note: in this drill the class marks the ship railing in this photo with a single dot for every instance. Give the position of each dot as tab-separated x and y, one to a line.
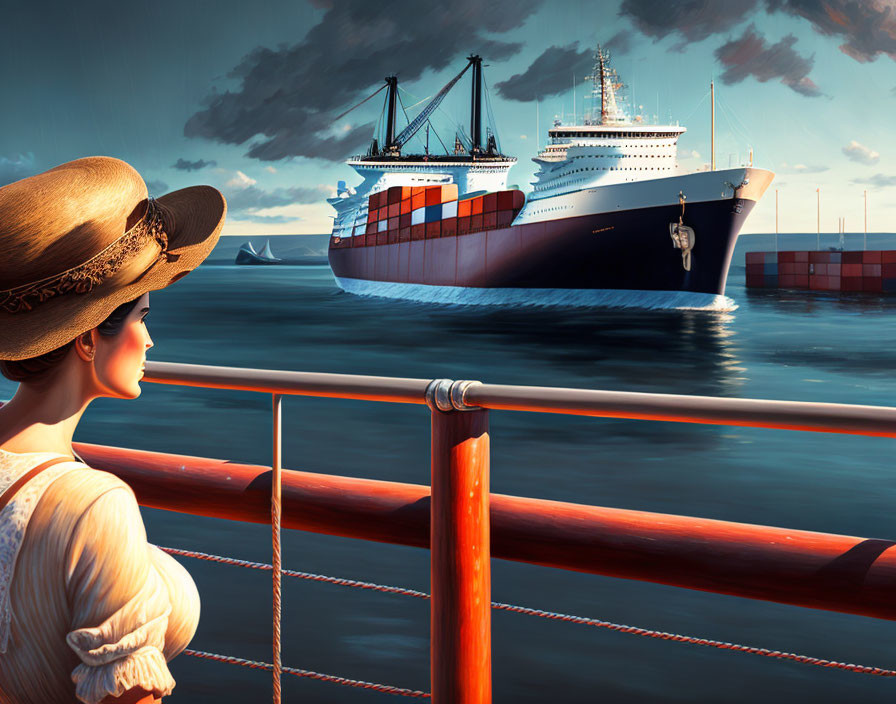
464	526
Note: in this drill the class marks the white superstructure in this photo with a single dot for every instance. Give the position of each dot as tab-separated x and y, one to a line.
607	148
470	177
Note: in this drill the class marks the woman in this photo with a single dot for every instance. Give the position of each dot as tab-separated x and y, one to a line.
89	611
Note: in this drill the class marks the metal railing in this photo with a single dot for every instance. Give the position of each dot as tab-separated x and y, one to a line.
463	524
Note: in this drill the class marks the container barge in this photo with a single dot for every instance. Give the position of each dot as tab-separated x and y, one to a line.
873	271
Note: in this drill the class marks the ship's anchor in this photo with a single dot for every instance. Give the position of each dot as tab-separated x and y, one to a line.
683	237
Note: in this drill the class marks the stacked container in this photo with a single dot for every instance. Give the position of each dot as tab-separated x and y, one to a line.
823	271
404	213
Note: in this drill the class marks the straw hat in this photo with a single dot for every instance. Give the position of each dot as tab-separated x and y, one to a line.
79	240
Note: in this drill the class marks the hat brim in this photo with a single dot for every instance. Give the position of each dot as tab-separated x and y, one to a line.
194	218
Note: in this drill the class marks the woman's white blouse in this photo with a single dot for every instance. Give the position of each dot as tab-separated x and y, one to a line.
95	610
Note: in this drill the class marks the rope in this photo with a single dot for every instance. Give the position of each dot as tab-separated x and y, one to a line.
256	665
555	616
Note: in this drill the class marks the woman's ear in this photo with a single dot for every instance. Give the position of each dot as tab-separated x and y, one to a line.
85	346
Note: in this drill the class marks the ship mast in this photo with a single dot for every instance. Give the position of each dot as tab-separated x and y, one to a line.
476	106
603	84
390	147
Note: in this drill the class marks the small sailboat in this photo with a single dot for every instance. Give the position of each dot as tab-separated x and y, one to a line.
248	255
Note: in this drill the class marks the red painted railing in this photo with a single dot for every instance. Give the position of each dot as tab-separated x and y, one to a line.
464	525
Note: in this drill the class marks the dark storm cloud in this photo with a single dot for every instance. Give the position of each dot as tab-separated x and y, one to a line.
549	74
694	20
253	198
16	168
620	42
752	56
868	27
288	97
879	180
184	165
156	187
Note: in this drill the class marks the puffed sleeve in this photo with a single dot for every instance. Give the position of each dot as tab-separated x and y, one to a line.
120	603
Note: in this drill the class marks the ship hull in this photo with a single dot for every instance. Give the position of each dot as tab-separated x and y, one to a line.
616	251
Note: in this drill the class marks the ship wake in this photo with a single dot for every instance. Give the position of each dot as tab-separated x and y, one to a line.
547	297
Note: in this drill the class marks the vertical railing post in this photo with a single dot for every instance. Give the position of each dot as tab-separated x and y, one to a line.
460	569
276	561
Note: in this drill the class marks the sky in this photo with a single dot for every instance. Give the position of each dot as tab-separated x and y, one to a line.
248	97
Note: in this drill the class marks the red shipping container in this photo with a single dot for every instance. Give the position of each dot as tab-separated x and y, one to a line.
755	258
869	284
519	199
801	256
851	258
394	209
374	201
872	270
476	205
449	193
786	268
871	258
370	229
833	283
405	206
888	257
851	283
418	200
786	280
393	236
433	195
755	269
393	223
834	270
505	217
382	238
476	223
418	232
382	213
802	280
817	283
490	203
786	257
371	240
404	220
820	269
801	268
433	229
394	195
359	241
404	234
505	200
406	192
755	281
463	208
850	269
888	270
449	227
415	190
818	257
490	220
463	225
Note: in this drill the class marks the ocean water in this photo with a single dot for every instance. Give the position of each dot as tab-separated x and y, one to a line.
782	345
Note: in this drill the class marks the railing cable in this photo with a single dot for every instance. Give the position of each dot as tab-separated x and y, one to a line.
335	679
552	615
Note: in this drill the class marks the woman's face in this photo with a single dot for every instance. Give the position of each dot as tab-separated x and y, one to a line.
119	359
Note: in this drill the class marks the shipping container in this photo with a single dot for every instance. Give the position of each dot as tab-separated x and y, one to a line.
476	205
850	269
371	228
405	206
418	232
505	200
871	284
505	218
433	195
382	225
394	209
851	258
418	200
393	223
476	223
418	216
490	203
449	210
433	213
490	222
404	234
449	193
755	258
463	225
463	208
382	237
888	284
786	257
871	270
433	229
404	220
871	257
449	227
850	283
394	195
371	240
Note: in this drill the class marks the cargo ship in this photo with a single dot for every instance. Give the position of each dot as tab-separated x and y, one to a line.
610	220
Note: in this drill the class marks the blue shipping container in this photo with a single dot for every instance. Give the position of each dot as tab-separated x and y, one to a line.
433	213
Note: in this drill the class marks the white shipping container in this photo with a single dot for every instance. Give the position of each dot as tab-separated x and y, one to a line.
449	210
382	226
418	216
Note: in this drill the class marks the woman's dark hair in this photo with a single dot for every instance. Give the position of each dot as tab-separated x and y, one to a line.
38	368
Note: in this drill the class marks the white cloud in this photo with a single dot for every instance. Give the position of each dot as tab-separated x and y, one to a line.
861	153
240	180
